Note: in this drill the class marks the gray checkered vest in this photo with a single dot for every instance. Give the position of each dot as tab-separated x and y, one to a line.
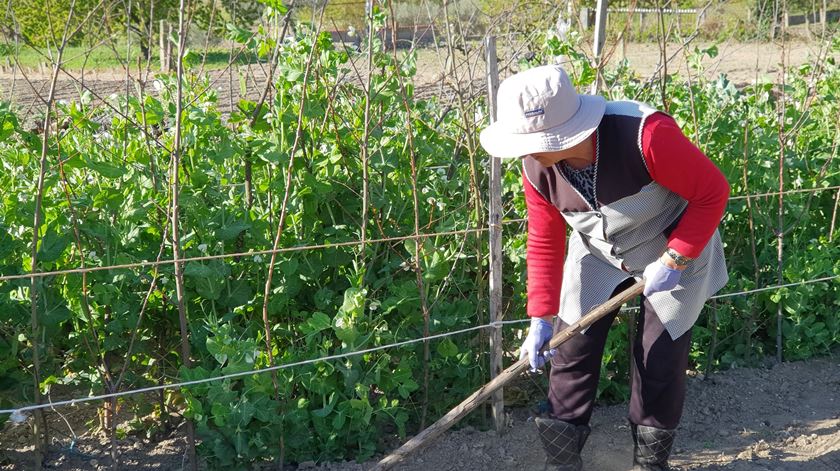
628	230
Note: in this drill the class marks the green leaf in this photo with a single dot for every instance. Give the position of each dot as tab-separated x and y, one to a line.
344	328
327	409
219	413
197	269
277	5
232	231
354	302
318	322
237	34
52	246
447	348
106	169
7	244
239	295
55	315
217	349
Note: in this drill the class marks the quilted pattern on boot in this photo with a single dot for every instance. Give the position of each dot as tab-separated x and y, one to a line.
562	442
651	448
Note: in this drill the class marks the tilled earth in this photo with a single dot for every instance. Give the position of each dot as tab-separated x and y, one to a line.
742	62
784	417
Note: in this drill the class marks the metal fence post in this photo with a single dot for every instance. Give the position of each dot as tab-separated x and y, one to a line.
495	223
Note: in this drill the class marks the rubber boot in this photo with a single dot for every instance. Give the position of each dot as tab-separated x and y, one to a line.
651	447
562	442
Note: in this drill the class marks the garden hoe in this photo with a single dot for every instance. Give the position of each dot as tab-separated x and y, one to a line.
444	423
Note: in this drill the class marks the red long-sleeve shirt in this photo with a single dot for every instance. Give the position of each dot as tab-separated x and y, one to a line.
673	162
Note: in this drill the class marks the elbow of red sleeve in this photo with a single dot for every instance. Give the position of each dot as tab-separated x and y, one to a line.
723	192
690	238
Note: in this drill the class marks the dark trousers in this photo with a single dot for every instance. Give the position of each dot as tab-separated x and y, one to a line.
657	379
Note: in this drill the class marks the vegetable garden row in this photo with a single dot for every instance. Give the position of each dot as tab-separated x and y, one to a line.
326	160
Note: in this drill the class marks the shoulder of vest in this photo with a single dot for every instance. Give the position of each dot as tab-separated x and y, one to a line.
629	108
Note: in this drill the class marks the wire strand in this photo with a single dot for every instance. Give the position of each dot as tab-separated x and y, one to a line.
18	415
241	254
786	192
325	245
18	412
771	288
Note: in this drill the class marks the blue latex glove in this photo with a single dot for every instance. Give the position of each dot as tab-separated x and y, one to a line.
659	277
538	335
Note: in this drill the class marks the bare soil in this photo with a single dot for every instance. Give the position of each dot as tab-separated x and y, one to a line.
782	417
741	62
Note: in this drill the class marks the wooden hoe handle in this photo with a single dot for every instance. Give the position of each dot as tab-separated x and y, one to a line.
458	412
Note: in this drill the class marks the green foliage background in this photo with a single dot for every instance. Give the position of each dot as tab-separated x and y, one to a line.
107	185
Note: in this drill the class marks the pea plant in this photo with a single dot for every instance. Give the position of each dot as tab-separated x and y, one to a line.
351	166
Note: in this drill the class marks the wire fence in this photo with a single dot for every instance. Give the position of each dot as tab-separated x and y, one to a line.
18	413
463	91
329	245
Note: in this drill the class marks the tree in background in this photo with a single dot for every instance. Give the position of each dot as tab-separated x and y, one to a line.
140	17
42	22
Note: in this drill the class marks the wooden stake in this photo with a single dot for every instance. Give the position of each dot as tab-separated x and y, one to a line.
164	67
475	399
496	353
176	236
598	46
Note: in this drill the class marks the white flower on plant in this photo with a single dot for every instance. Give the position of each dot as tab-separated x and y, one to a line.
157	85
202	248
164	280
258	258
102	136
92	255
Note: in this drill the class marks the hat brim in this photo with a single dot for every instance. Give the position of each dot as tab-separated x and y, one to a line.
500	142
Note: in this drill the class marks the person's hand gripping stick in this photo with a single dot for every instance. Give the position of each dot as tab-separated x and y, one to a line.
538	336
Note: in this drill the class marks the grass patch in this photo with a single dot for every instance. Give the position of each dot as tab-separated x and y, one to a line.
105	58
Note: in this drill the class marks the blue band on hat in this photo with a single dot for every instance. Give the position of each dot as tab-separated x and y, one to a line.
534	112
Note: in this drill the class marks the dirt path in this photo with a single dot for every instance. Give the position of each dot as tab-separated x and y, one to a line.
742	62
782	418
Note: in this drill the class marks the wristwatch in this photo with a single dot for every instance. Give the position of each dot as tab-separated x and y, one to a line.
679	260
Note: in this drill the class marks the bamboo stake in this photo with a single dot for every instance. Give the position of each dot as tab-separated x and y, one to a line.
162	47
111	406
40	430
781	211
598	46
281	221
496	353
663	44
834	216
269	84
418	270
465	107
176	236
512	372
364	151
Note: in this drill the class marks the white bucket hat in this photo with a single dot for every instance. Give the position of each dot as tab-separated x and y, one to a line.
539	110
